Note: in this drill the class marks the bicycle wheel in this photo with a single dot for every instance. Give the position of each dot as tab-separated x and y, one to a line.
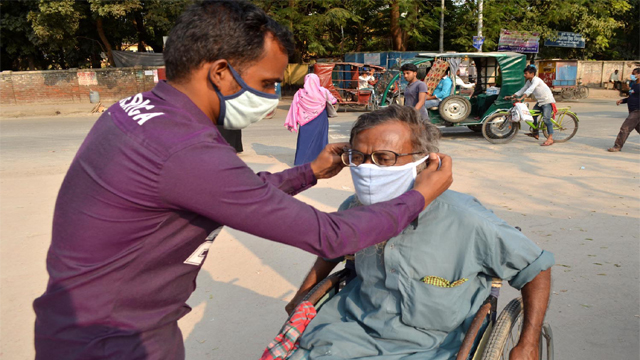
566	128
582	92
568	93
498	129
505	333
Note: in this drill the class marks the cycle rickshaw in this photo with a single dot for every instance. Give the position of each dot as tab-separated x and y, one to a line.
341	78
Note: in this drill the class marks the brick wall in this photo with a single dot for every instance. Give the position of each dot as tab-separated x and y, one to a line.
596	73
74	86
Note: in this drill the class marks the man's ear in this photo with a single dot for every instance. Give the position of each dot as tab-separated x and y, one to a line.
422	166
219	74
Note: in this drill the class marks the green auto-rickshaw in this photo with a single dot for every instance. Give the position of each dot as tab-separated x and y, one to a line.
497	74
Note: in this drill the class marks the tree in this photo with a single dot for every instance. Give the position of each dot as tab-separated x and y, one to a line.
18	49
597	21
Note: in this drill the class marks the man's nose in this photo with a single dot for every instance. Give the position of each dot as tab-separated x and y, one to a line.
368	159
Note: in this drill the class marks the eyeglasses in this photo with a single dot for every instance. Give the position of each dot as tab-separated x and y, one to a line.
352	157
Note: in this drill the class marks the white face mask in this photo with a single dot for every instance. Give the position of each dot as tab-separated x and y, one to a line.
376	184
245	107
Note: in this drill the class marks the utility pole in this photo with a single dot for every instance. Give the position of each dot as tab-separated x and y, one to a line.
442	28
480	3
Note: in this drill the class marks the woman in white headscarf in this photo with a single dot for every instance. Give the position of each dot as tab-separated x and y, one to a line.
308	113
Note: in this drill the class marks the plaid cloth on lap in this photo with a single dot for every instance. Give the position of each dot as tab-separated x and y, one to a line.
286	341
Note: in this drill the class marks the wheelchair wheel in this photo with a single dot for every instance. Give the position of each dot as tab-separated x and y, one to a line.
506	333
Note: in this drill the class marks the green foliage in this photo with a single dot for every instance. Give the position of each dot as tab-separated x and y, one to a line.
117	8
64	33
18	41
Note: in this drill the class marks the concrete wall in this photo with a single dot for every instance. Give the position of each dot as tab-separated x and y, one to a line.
596	73
73	86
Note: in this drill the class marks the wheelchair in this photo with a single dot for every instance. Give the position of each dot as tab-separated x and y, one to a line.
501	333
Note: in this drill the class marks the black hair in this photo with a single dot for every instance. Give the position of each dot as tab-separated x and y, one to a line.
636	70
212	30
409	67
424	135
531	70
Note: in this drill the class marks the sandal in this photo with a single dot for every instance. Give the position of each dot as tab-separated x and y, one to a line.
535	136
546	143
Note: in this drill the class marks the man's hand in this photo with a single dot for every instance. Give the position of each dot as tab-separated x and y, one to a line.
432	182
619	102
294	302
508	97
328	164
524	352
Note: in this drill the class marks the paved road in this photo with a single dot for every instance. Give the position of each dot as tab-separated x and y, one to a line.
590	219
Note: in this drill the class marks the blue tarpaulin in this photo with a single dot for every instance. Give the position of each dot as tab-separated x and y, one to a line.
386	58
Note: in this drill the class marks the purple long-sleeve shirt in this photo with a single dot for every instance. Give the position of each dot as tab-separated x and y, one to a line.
148	191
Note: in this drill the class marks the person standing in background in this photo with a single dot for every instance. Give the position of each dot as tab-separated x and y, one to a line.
308	113
633	120
415	93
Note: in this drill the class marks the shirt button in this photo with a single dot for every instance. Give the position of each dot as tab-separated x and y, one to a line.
390	246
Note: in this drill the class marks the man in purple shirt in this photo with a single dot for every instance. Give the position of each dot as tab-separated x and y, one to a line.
154	182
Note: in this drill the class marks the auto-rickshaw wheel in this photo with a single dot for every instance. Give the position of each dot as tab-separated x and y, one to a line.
454	108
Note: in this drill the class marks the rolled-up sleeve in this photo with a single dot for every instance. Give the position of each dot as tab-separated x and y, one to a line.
510	255
542	263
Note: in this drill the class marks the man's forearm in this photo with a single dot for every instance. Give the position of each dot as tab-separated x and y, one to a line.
535	297
320	270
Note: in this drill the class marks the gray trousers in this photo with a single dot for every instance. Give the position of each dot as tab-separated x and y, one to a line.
630	123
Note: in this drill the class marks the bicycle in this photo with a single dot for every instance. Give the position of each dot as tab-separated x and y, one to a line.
499	128
577	92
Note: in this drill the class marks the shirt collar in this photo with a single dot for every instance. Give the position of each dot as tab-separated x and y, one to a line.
175	97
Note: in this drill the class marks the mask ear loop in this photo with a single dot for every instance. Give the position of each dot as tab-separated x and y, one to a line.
223	108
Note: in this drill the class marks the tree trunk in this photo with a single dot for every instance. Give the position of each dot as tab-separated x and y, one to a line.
105	41
32	63
141	30
396	31
359	38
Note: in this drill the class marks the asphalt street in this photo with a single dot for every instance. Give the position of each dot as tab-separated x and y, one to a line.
573	199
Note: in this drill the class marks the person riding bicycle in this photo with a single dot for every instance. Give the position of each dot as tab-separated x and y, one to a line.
544	96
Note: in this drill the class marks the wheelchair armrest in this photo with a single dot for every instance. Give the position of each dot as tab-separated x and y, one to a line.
323	287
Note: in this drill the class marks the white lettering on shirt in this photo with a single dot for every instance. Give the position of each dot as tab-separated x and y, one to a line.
200	254
135	106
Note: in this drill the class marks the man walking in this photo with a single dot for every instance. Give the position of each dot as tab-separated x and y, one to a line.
415	93
633	120
543	95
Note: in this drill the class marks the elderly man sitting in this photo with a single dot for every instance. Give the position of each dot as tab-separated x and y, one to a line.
414	296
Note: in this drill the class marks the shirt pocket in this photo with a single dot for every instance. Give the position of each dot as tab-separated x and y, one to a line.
431	307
